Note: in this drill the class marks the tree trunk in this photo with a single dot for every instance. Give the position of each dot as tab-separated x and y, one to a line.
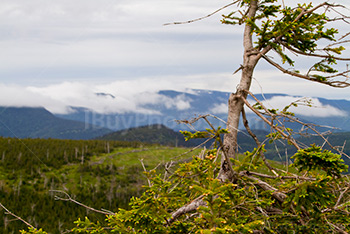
235	103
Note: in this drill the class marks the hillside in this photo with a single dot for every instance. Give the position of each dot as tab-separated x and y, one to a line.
152	134
25	122
101	174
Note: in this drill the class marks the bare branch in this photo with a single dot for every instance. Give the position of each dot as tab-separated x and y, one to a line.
279	196
291	140
194	148
204	17
246	125
311	127
347	34
336	227
336	84
313	54
145	170
70	199
16	216
295	177
192	206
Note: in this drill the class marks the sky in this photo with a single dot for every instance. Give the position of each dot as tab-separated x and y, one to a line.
60	53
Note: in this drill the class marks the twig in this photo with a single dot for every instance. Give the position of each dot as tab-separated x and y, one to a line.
336	84
144	169
70	199
204	17
193	149
16	216
246	125
291	140
295	177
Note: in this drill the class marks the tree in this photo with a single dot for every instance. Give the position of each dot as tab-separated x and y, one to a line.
273	28
251	195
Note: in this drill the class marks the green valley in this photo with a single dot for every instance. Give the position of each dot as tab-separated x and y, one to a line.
100	174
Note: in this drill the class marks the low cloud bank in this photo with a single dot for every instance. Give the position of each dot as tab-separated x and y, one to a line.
317	109
133	96
118	97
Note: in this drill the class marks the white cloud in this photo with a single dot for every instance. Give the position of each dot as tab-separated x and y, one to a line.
17	96
219	109
137	96
179	102
123	44
317	109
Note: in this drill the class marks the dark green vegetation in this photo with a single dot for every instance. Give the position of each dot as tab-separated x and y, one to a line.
101	174
26	122
268	198
152	134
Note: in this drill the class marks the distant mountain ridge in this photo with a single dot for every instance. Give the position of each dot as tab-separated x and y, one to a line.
26	122
84	123
203	102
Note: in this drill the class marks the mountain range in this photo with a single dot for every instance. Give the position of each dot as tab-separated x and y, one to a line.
26	122
334	113
83	123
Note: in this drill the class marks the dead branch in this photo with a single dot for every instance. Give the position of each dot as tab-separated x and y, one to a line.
313	54
145	170
336	227
293	119
204	17
70	199
16	216
291	140
294	177
192	206
194	148
279	196
246	125
336	84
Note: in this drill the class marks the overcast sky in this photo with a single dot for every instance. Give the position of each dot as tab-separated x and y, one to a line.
58	52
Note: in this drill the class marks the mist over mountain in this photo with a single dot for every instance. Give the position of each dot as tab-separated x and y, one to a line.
162	107
187	105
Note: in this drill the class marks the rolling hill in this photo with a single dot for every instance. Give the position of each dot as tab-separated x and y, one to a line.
26	122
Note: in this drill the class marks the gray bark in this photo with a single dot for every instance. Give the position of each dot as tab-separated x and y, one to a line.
235	104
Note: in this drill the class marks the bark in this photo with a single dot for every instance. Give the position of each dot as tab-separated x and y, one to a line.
235	103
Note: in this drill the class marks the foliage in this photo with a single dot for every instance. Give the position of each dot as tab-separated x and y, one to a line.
314	158
311	205
33	231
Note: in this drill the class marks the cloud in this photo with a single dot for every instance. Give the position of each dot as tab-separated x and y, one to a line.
11	95
317	109
179	102
136	96
219	109
84	42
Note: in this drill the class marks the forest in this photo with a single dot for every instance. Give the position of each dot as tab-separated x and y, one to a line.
102	174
